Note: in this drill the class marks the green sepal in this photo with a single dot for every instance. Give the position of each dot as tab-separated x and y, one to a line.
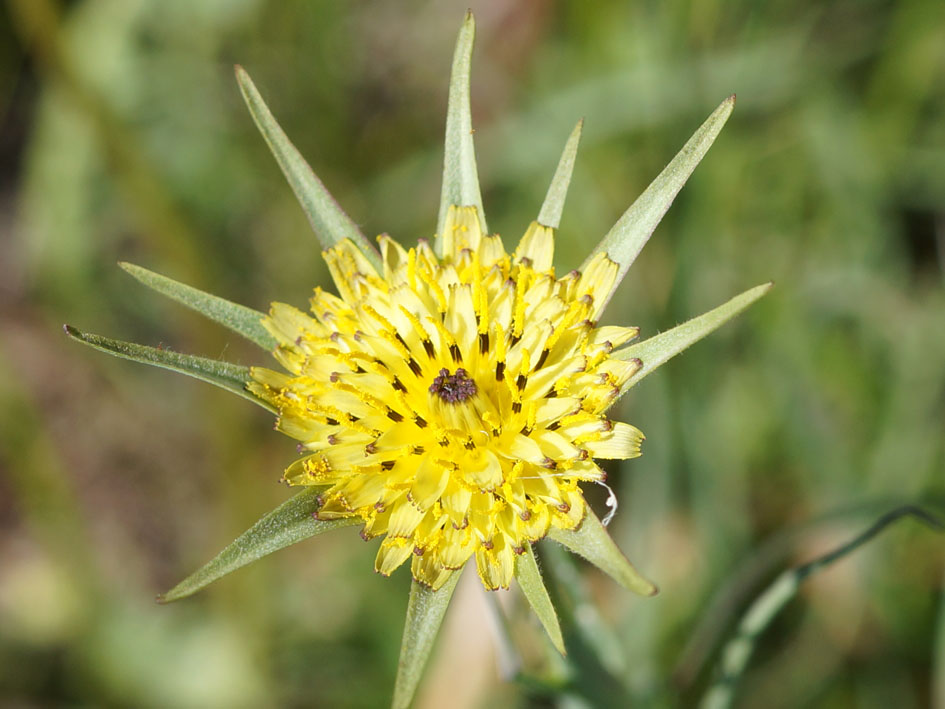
529	579
290	522
591	541
551	208
425	611
460	174
627	237
658	349
327	218
232	377
238	318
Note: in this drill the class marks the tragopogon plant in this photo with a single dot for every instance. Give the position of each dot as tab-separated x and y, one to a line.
452	398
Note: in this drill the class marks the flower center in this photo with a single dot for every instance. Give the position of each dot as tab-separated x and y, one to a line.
453	388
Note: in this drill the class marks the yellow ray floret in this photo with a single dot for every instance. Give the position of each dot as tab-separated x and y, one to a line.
453	403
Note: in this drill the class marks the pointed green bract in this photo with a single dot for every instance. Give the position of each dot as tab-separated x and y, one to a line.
329	221
290	522
591	541
460	175
627	237
238	318
551	208
425	611
660	348
225	375
529	578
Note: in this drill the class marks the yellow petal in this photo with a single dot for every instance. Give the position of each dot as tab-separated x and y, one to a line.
623	441
538	246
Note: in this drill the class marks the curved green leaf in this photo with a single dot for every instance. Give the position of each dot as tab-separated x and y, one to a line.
425	611
627	237
232	377
238	318
460	175
329	221
528	576
591	541
658	349
290	522
738	651
551	208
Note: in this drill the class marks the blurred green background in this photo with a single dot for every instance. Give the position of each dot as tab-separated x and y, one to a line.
123	137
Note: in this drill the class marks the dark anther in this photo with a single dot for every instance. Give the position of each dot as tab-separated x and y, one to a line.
542	359
428	346
414	367
520	381
399	385
419	420
455	353
516	406
331	422
400	339
453	388
499	371
388	464
483	342
394	416
553	426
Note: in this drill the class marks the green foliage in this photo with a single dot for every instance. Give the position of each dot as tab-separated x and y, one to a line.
288	524
231	377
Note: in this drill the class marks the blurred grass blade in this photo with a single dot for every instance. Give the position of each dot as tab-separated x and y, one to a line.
529	578
627	237
660	348
550	214
289	523
238	318
225	375
425	611
329	221
591	541
460	175
737	652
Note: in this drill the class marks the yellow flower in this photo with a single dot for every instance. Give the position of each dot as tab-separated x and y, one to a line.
455	402
454	397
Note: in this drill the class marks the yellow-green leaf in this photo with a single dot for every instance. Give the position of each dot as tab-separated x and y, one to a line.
460	174
660	348
627	237
329	220
528	576
591	541
238	318
551	208
290	522
425	611
225	375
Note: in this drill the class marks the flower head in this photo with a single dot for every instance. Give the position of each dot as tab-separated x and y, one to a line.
451	398
453	403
